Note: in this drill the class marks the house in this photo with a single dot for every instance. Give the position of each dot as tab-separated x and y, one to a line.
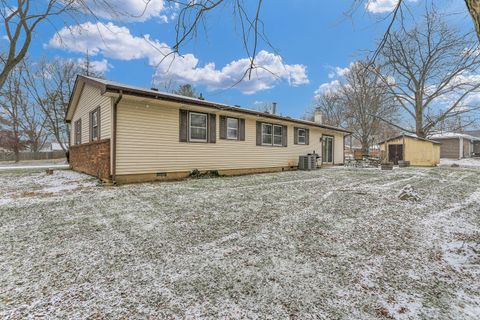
457	145
419	151
128	134
476	144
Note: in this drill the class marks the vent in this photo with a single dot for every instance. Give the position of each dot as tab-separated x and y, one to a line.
161	174
154	89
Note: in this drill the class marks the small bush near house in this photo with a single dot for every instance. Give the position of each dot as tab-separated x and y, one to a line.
196	174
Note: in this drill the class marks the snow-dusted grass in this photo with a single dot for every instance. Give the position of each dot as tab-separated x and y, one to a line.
333	243
467	162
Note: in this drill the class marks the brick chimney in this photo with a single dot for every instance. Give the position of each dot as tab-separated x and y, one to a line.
317	116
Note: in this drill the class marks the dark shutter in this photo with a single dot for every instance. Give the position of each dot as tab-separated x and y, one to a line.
259	133
241	129
183	135
212	128
99	123
307	136
284	135
223	127
295	135
90	134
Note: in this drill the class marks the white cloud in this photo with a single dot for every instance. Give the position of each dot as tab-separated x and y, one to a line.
382	6
99	66
117	42
131	10
326	88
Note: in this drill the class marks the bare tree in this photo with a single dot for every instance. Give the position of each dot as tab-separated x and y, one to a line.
20	18
332	108
186	90
33	127
430	71
365	99
50	85
11	103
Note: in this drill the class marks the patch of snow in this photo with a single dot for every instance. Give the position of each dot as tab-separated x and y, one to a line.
460	254
466	162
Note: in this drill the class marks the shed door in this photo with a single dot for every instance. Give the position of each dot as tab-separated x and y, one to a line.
395	153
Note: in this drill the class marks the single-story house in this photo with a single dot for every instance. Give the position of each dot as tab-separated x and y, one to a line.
457	145
125	134
419	151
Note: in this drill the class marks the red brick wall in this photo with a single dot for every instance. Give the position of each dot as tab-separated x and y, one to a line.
92	158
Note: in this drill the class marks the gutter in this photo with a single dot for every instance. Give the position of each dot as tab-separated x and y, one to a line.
114	138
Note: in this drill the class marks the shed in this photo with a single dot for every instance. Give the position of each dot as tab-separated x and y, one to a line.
419	151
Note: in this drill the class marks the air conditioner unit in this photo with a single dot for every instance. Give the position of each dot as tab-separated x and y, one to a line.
308	162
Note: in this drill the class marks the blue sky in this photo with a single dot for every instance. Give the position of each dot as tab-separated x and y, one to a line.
314	40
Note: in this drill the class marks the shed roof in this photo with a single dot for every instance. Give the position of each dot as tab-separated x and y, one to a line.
115	87
410	137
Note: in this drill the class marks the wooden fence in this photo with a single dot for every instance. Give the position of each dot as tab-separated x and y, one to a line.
47	155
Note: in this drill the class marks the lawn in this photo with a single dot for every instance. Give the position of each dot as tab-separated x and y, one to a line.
333	243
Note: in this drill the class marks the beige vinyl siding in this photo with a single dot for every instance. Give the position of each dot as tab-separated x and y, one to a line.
148	142
90	99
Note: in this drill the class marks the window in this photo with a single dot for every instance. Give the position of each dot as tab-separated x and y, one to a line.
266	133
302	136
95	124
232	128
198	127
271	134
77	131
277	135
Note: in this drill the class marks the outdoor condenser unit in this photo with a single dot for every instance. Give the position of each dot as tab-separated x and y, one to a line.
307	162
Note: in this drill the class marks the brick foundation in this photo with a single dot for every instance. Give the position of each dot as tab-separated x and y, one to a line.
92	158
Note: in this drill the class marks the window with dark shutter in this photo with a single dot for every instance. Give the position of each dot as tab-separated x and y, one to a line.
301	136
269	134
197	126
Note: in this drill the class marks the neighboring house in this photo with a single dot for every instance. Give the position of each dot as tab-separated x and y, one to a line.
127	134
456	145
419	151
476	144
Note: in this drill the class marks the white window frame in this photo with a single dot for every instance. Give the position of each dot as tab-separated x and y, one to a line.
190	127
232	128
95	127
263	134
304	136
276	135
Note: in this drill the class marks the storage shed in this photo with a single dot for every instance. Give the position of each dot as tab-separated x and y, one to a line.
419	151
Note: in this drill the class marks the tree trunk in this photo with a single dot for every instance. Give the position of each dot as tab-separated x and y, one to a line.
365	146
16	152
419	118
474	9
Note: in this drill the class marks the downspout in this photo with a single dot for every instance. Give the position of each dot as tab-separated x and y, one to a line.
114	138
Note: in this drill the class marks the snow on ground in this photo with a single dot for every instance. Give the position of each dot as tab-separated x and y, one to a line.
467	162
324	244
